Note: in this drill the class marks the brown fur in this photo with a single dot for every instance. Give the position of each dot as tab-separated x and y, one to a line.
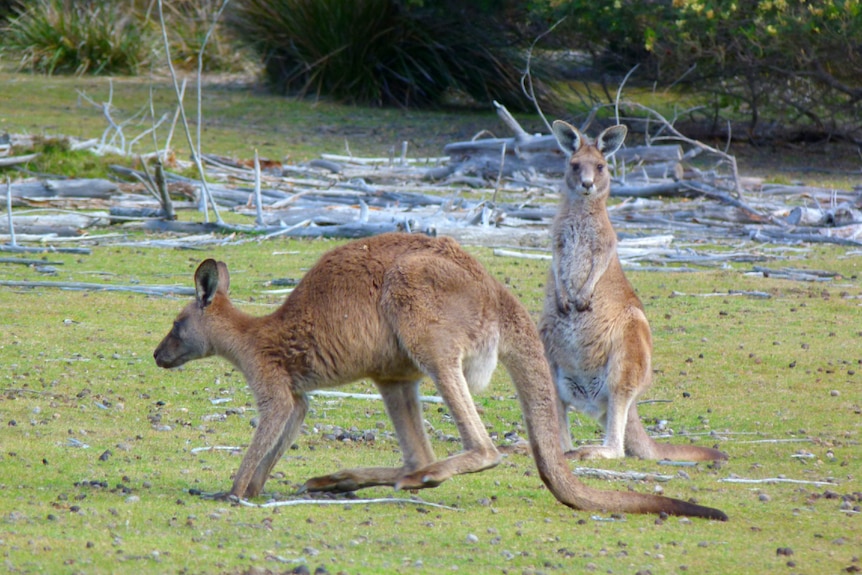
597	338
392	308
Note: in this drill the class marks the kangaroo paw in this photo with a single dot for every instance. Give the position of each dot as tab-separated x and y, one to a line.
594	452
419	480
334	483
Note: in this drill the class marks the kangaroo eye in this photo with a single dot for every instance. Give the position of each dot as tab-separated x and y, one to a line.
600	168
576	166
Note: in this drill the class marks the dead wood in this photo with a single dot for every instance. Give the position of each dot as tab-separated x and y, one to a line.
83	286
29	262
488	190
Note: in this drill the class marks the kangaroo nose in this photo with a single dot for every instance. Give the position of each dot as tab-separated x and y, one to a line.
587	184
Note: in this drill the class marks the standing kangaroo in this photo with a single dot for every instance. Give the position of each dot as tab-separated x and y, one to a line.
391	308
596	335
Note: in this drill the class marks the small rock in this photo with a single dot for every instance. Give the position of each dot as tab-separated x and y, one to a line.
472	538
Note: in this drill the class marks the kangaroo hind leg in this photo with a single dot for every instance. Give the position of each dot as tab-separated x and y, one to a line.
628	374
479	452
405	411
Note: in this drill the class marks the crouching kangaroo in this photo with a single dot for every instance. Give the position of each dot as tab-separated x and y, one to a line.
593	326
392	308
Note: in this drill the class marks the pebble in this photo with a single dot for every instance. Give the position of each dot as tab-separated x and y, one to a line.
472	538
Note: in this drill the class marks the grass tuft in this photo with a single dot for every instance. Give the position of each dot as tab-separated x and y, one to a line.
92	37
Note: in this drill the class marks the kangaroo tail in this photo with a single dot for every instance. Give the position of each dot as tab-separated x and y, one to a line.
522	354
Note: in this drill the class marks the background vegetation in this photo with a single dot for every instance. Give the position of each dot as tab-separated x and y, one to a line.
780	68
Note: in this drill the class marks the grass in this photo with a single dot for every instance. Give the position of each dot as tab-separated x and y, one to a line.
776	381
76	367
236	121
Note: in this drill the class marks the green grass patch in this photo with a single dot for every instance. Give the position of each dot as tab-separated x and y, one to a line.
236	119
774	382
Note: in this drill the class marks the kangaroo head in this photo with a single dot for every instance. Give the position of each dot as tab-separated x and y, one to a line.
192	333
587	171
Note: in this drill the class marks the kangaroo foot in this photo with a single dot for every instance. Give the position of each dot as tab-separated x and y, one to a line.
595	452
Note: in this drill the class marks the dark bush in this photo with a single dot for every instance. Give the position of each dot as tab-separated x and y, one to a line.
380	52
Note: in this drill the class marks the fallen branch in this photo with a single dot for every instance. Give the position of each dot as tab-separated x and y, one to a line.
215	448
293	502
771	480
83	286
328	393
27	262
754	294
609	475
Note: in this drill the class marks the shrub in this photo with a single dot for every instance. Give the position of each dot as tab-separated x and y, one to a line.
379	52
797	62
789	63
188	22
80	37
7	8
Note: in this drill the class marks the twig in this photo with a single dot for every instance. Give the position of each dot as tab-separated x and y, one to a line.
777	480
292	502
195	152
620	91
607	474
216	448
527	77
328	393
729	158
754	294
499	174
12	241
149	290
257	201
522	255
29	262
201	67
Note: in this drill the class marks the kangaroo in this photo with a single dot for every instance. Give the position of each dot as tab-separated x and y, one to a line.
392	308
596	335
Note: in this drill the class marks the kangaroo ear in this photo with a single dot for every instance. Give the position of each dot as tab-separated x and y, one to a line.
568	136
209	279
611	139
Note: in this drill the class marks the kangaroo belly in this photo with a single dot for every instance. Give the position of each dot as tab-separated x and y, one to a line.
585	392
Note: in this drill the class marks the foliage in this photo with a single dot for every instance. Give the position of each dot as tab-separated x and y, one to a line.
92	37
188	22
7	8
790	62
801	61
117	37
380	52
